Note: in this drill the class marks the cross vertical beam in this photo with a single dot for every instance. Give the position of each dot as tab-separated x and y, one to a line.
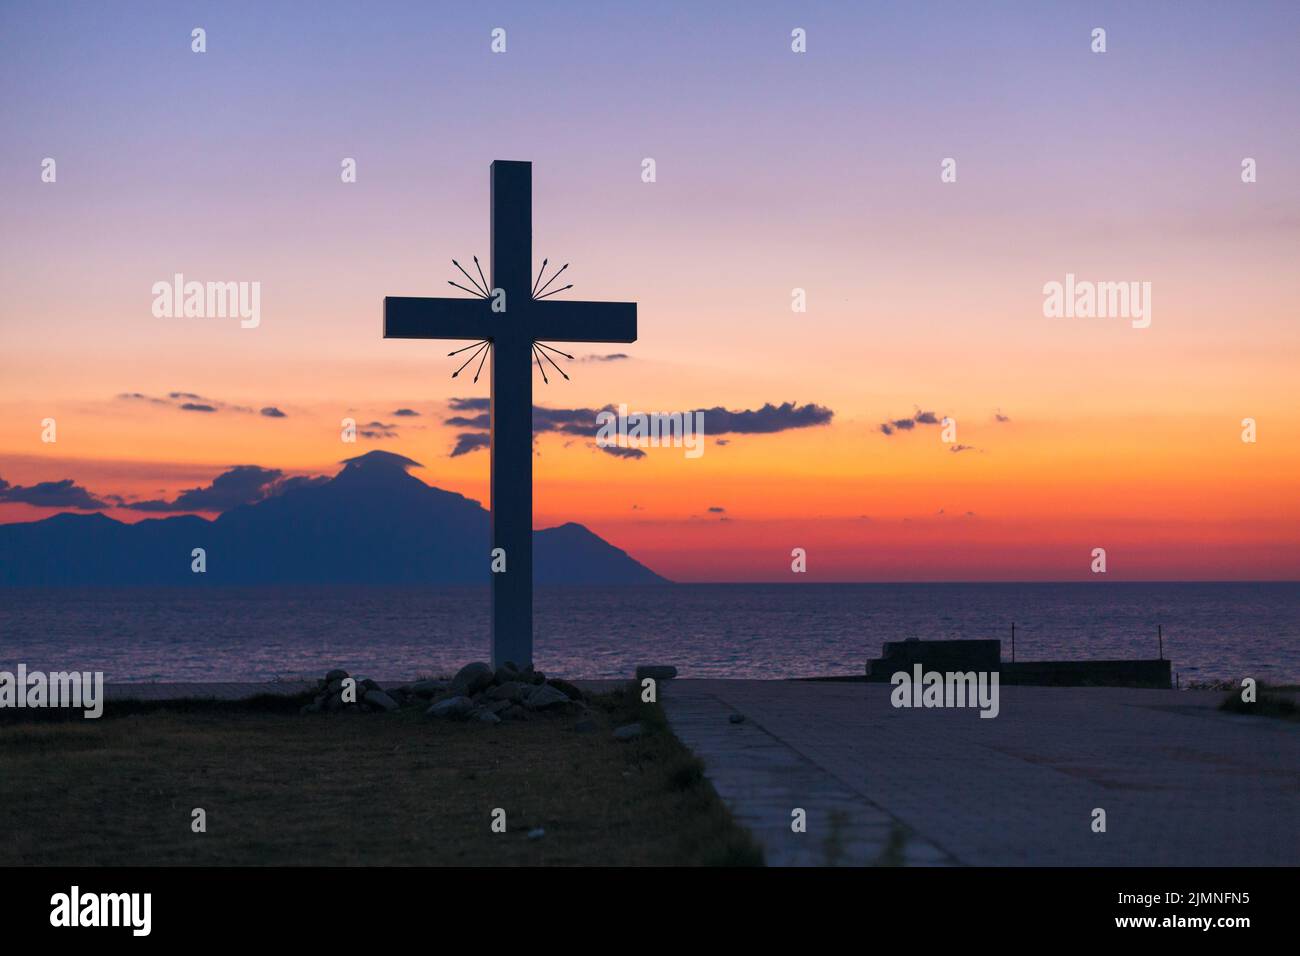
512	415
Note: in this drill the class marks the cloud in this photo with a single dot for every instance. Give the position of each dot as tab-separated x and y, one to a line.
270	411
189	402
377	430
240	485
959	448
467	442
717	510
406	413
617	452
472	421
907	424
582	421
51	494
999	417
612	357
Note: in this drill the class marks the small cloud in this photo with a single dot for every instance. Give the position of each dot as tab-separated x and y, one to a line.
717	510
272	412
406	413
197	407
958	448
612	357
907	424
999	417
467	442
618	452
722	441
51	494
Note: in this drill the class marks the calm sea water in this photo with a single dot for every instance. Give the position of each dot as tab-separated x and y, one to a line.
1211	631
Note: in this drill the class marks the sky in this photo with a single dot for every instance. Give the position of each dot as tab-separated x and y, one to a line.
774	171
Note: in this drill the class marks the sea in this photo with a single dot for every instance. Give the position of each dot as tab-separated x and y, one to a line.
1210	631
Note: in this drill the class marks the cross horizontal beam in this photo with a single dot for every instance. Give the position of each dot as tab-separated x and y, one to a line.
415	317
564	321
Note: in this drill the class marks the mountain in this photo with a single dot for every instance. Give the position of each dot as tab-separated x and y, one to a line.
372	523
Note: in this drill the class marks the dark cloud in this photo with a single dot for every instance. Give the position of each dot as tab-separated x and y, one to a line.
51	494
472	421
766	420
469	404
406	413
716	510
188	402
612	357
907	424
959	448
582	421
998	416
241	485
467	442
270	411
618	452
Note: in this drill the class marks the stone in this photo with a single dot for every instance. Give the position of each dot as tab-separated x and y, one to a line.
515	712
655	672
496	706
380	700
338	674
511	690
587	726
428	688
505	674
471	679
335	703
569	689
629	732
455	706
543	696
485	715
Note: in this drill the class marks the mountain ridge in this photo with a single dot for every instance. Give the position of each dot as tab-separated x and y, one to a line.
372	523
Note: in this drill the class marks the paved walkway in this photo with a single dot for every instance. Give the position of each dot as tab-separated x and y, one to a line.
1181	782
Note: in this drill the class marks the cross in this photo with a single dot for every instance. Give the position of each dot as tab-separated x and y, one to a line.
512	334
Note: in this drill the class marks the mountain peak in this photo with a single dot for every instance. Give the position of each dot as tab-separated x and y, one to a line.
375	461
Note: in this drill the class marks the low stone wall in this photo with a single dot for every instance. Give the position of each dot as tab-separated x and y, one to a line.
945	656
1088	673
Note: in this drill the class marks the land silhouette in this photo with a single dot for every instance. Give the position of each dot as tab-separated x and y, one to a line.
372	523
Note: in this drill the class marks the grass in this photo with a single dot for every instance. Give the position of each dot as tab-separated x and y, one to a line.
1268	703
372	789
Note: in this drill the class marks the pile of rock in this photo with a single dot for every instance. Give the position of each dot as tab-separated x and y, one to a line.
335	695
478	692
